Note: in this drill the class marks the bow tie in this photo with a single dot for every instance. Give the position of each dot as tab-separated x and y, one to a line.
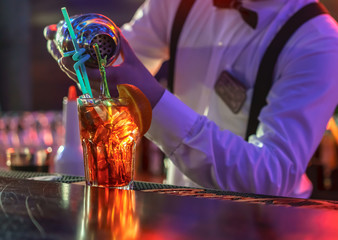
250	17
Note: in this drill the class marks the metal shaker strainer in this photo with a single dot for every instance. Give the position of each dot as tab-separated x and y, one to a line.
89	29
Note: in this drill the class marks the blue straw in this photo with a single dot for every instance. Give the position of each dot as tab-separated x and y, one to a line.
85	86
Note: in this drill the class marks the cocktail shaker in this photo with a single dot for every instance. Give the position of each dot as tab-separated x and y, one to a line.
89	29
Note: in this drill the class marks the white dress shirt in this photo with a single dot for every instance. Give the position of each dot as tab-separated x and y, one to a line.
195	128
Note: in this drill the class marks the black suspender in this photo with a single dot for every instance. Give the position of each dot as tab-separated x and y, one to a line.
266	68
181	14
265	72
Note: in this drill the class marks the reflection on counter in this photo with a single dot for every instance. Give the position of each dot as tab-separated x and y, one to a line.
109	212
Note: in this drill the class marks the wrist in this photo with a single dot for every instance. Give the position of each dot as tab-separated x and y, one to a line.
157	97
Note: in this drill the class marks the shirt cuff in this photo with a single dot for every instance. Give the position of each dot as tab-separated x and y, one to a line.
171	122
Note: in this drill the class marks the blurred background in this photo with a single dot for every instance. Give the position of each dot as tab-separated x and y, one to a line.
32	86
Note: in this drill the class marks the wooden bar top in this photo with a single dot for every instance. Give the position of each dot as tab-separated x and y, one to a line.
31	209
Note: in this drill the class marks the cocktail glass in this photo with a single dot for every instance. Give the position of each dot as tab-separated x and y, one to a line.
108	134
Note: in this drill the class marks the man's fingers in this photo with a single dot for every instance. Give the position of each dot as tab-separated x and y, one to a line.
50	31
64	65
67	65
53	50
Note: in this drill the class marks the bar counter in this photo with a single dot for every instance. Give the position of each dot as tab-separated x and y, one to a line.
36	209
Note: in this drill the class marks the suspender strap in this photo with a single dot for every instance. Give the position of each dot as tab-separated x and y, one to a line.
181	15
264	77
265	73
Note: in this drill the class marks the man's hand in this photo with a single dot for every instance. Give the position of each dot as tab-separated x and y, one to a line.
50	33
130	70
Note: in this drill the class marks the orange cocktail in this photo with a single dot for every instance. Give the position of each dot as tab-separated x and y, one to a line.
109	134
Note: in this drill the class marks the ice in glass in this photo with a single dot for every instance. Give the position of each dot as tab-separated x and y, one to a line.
108	135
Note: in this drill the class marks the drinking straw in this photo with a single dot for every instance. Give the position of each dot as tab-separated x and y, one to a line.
85	86
102	64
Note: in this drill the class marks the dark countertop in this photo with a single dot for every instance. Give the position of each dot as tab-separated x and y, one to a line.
31	209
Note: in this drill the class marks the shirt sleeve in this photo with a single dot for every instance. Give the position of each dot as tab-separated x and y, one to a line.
149	31
273	161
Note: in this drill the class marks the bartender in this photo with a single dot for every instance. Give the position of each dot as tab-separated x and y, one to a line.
200	130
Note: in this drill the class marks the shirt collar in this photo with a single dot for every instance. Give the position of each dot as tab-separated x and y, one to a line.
265	9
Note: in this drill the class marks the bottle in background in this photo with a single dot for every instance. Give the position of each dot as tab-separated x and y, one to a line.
69	157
